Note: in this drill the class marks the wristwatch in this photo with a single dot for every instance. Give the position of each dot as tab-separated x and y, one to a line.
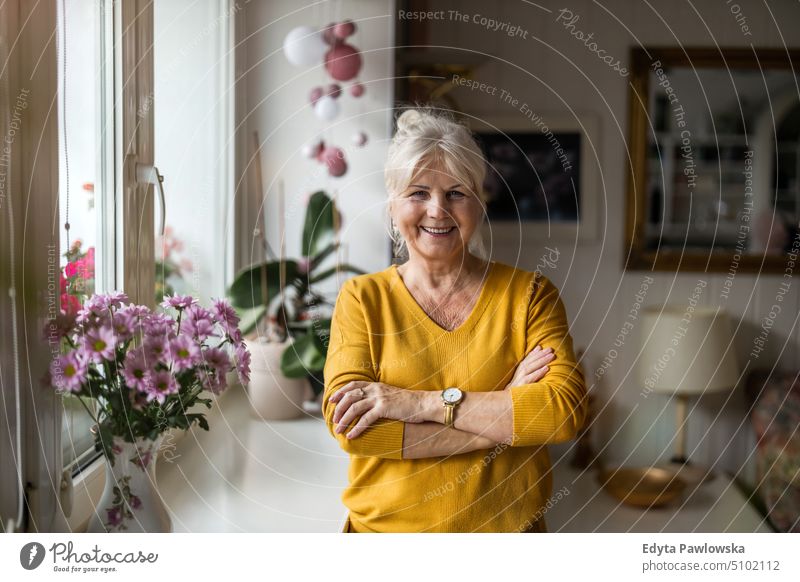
451	397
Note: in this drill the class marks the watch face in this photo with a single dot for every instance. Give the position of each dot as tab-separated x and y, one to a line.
452	395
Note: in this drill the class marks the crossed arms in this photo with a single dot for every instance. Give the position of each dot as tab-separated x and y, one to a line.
543	403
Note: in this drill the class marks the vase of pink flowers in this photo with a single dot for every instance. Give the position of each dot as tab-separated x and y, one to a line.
130	501
144	369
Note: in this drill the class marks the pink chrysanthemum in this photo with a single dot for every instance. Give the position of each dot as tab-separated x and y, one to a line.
162	386
183	352
242	358
137	373
69	371
178	301
99	344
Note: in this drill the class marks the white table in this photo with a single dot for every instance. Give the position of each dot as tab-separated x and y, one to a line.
715	506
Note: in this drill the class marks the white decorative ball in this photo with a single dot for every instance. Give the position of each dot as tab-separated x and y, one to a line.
327	108
304	46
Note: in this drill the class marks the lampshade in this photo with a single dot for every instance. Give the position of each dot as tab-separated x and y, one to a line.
686	351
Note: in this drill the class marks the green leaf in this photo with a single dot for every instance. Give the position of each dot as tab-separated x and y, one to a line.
306	354
332	271
322	329
201	420
317	259
318	230
246	290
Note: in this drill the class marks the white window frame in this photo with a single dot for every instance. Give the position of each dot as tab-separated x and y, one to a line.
132	265
128	229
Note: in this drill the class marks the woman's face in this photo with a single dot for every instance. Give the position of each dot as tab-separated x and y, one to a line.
436	215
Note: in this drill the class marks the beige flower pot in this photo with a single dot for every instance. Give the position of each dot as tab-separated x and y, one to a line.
273	396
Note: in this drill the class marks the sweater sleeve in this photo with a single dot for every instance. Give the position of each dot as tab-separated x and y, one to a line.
350	359
552	410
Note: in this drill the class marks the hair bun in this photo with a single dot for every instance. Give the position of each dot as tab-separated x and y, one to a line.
409	119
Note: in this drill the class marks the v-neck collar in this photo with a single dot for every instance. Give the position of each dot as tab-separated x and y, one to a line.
467	324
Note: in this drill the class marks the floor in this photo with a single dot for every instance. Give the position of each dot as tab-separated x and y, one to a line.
250	475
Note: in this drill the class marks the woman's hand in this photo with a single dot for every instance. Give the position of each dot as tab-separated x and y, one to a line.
533	367
374	400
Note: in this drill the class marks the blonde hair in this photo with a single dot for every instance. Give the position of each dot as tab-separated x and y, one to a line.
425	138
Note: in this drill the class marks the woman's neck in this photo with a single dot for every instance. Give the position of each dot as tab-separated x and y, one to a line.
434	275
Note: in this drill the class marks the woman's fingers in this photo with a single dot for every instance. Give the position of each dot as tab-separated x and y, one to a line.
533	366
350	386
363	423
536	375
540	359
345	396
345	402
353	411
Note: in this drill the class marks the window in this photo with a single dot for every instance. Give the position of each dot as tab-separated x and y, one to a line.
97	125
85	142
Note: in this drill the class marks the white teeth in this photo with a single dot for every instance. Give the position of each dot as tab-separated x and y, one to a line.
437	230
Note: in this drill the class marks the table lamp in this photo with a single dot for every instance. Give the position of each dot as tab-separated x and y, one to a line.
686	352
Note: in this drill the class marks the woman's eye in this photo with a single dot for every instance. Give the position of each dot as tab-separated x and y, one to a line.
455	194
419	194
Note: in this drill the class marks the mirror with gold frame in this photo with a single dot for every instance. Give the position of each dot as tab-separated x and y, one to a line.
714	167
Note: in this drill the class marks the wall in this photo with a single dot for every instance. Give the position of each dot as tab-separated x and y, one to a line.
555	72
276	106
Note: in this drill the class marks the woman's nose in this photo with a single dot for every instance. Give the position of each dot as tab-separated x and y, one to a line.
437	208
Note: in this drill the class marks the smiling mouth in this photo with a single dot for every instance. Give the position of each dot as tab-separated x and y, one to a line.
438	231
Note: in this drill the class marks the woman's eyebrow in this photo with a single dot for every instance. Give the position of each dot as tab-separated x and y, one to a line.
423	187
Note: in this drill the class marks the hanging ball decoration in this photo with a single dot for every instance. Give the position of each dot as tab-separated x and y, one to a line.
328	37
320	151
360	139
313	150
327	108
357	90
343	62
334	90
333	157
344	29
315	95
304	46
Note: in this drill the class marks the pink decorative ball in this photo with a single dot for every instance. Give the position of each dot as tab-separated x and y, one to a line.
357	89
334	90
328	36
360	139
315	95
333	157
343	62
344	29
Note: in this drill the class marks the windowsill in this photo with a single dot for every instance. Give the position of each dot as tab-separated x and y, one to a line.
88	485
251	475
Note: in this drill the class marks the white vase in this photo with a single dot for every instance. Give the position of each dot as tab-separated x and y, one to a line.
273	395
130	500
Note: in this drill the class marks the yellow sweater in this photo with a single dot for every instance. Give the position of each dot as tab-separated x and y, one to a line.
380	334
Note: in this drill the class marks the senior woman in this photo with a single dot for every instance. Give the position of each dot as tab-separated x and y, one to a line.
448	375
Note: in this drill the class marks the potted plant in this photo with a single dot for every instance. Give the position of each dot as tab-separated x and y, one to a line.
145	370
288	327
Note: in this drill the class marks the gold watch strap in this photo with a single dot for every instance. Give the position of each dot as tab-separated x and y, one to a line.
448	414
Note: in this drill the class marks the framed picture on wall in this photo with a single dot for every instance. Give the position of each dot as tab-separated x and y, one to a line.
541	178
